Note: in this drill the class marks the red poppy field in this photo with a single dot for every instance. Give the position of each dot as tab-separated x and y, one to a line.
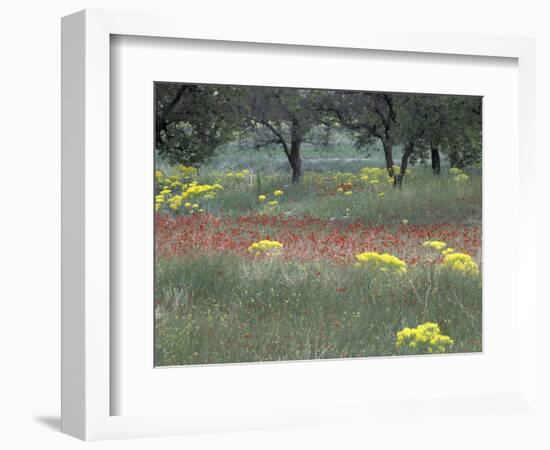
307	238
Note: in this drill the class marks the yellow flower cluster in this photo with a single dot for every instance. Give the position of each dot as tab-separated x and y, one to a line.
207	191
346	181
424	338
376	175
437	245
193	190
238	175
161	198
187	172
458	175
265	247
460	262
384	262
344	177
271	205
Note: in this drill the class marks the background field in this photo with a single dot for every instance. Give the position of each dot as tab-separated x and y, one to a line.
218	303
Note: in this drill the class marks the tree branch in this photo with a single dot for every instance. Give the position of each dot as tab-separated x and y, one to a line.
280	138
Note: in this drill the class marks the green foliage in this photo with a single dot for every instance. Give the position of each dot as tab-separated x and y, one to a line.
449	123
192	121
195	121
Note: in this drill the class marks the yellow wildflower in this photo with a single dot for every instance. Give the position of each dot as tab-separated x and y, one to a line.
461	262
175	202
384	262
265	246
424	338
187	171
438	245
196	190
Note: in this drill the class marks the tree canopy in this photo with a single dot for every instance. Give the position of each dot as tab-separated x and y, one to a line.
193	120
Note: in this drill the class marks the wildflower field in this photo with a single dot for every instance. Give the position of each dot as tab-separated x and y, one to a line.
252	267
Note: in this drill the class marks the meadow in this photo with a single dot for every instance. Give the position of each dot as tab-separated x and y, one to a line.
251	267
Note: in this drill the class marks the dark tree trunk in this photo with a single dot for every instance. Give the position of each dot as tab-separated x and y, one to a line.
455	159
294	156
388	155
436	160
407	152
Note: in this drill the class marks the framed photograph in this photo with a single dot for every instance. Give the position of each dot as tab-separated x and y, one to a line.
265	229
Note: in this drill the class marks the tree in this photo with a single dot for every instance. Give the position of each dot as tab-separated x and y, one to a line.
192	120
287	114
370	116
434	123
463	133
413	113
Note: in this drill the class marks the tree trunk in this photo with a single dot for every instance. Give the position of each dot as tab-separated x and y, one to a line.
455	158
294	156
388	155
436	160
407	152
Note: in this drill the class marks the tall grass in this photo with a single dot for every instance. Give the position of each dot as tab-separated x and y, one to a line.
269	309
424	198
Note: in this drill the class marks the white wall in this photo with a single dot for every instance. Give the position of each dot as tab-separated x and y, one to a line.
30	189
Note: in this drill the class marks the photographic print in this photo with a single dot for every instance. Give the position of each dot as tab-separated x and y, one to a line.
307	224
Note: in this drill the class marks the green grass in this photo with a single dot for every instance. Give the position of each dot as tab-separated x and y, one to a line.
424	198
271	309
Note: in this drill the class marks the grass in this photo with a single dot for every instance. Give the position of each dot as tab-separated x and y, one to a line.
424	198
272	309
217	303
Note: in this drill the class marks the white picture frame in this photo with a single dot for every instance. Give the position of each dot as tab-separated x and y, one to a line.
87	384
